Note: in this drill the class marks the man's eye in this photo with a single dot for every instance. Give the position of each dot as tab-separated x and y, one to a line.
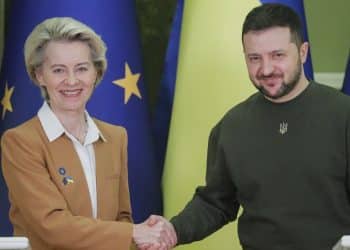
82	69
279	55
254	59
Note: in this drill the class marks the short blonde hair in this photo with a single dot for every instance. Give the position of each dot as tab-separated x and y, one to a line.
58	29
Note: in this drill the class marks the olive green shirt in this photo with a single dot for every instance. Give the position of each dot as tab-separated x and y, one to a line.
286	164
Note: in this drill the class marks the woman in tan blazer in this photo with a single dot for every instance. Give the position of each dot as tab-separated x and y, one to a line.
66	171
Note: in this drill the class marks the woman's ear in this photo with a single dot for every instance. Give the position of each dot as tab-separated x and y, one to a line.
39	76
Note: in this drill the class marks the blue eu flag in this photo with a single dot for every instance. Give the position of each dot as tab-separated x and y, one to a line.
120	98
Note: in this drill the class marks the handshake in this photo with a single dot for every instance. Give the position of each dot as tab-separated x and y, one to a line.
156	233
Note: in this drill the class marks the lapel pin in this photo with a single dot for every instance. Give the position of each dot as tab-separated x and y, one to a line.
68	180
62	171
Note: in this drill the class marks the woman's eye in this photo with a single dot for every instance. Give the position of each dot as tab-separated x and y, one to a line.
57	70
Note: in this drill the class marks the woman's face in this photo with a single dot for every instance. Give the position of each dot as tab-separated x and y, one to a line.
68	74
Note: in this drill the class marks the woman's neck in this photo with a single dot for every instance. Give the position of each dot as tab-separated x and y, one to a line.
74	122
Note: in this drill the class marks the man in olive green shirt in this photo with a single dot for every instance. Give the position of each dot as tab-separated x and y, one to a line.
282	155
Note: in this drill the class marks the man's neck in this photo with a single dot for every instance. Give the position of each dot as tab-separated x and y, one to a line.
299	88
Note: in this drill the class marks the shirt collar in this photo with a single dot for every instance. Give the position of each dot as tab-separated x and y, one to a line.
53	127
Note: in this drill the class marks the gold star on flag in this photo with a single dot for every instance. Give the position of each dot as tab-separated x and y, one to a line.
6	100
129	83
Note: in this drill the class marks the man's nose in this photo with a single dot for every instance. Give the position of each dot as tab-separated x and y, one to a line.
266	67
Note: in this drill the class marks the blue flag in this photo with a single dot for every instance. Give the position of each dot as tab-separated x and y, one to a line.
298	7
120	98
162	116
346	83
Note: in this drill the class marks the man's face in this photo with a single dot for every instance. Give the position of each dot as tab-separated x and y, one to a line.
274	62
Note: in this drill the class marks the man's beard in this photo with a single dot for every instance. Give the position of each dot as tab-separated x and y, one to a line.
286	87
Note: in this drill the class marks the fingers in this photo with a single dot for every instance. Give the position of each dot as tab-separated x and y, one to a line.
164	235
168	233
156	233
171	234
152	220
154	246
145	236
149	246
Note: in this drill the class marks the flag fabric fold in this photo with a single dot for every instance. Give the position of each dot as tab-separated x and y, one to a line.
120	98
346	83
162	115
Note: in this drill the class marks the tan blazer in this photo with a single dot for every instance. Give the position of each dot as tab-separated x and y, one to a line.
55	213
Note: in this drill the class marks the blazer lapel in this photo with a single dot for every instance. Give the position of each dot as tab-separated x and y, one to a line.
70	176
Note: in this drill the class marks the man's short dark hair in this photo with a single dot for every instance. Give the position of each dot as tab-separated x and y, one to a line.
274	15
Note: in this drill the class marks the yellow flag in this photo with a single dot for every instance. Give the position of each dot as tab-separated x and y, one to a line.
211	78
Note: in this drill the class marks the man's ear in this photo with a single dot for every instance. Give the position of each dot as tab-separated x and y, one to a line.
304	48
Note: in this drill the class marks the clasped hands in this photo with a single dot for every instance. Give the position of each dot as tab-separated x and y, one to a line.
156	233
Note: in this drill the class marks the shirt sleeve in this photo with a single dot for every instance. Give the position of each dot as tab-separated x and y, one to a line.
214	204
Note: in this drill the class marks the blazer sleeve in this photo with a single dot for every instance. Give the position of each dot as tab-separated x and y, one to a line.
44	210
